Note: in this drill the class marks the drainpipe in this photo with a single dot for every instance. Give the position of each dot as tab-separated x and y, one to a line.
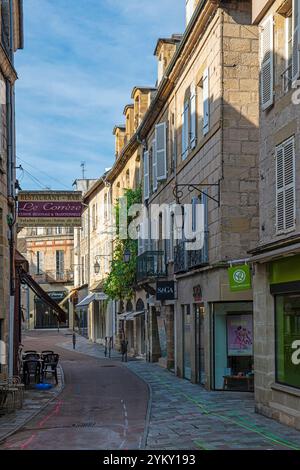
10	109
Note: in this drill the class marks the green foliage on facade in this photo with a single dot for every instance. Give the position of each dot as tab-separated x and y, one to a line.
119	285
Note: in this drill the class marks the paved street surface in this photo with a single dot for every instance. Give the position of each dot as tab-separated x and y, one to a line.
104	405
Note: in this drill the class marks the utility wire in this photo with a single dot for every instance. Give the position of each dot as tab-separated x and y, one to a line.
36	180
43	172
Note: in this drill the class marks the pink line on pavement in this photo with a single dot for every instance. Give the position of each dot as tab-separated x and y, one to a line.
23	445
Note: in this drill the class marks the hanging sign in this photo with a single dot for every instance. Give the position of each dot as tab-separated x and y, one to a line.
165	290
239	278
49	208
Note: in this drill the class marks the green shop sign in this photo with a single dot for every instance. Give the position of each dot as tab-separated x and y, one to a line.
239	278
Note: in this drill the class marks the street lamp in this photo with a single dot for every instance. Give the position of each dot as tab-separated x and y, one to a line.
97	267
127	256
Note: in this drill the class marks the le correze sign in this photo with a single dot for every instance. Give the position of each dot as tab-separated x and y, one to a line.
49	208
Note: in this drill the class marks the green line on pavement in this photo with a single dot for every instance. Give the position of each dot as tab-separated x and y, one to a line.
271	437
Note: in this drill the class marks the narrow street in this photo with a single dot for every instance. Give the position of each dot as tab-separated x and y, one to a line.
102	406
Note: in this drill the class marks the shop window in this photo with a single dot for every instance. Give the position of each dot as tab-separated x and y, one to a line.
288	339
233	346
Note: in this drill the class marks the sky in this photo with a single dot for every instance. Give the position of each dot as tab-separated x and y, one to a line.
80	62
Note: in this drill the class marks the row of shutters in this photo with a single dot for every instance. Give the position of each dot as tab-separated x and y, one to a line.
285	153
267	55
189	137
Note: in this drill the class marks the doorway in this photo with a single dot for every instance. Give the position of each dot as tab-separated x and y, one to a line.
199	343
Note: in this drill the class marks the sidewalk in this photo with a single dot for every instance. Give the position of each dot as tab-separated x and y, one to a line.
185	416
34	402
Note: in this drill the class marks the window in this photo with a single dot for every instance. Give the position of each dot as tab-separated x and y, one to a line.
105	207
285	186
296	40
173	143
58	230
267	63
39	262
59	263
161	150
146	176
206	103
288	73
154	165
288	339
189	117
94	216
185	130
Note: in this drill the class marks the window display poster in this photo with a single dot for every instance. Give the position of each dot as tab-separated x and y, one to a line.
240	335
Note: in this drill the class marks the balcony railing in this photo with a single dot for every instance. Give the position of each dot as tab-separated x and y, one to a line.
151	264
185	260
53	276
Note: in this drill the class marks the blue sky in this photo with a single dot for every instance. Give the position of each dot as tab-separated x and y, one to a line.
81	60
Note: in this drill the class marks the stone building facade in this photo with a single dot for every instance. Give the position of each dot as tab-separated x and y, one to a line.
49	252
276	258
201	129
11	40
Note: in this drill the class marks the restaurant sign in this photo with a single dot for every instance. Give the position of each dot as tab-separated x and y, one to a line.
49	208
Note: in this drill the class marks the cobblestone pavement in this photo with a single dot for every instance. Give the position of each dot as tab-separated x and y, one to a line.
34	402
185	416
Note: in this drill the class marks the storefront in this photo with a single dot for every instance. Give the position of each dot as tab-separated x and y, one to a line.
285	287
233	346
45	316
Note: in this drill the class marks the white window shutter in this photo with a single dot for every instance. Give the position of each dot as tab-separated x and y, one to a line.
161	150
193	129
185	130
285	186
189	8
267	63
296	40
146	175
206	101
154	165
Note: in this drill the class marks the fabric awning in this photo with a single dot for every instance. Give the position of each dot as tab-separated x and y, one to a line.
130	315
86	301
37	289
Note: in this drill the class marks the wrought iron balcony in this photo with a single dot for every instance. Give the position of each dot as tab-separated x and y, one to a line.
151	264
185	260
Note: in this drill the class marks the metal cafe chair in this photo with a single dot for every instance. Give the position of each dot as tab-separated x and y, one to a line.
50	362
31	368
44	353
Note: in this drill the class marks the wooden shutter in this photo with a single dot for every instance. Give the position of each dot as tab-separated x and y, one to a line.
193	129
185	130
267	63
206	101
154	165
296	40
161	150
285	186
146	175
